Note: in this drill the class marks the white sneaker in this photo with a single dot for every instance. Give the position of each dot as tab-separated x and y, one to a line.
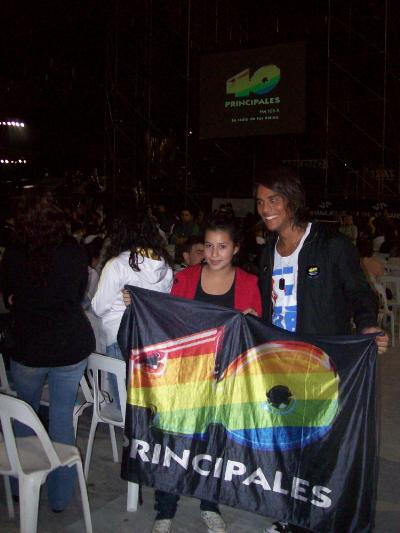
279	527
213	521
162	526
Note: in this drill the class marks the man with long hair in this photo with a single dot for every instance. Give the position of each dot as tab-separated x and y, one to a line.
310	277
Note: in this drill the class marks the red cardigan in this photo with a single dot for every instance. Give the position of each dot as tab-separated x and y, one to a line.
246	294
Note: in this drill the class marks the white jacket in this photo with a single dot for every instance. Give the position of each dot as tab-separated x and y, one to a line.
108	304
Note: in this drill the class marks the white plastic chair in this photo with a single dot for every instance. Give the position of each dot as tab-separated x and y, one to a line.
31	459
106	413
83	400
4	383
384	313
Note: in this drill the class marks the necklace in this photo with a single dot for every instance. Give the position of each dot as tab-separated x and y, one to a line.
292	248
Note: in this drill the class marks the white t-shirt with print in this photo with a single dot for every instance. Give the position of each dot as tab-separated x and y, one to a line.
284	287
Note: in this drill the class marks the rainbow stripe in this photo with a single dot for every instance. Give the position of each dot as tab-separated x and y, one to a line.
177	379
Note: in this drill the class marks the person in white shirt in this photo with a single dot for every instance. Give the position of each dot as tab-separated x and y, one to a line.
138	258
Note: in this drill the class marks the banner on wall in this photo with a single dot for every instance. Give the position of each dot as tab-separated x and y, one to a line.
225	408
253	92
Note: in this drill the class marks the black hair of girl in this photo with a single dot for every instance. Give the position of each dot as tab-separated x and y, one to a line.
147	241
121	231
229	224
284	181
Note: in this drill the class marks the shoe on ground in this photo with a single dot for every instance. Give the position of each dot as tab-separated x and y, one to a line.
214	522
279	527
162	526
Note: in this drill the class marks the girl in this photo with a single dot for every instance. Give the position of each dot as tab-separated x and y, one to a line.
138	258
218	281
43	279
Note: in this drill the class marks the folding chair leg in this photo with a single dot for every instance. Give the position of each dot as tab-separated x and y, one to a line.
84	498
89	448
132	497
29	492
113	443
10	504
75	423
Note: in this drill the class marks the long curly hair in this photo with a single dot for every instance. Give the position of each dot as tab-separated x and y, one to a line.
41	227
138	233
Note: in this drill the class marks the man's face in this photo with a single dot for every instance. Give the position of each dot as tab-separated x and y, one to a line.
195	256
186	216
272	208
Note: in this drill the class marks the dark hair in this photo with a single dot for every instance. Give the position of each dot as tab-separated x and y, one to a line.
136	232
41	227
192	241
121	233
147	238
284	181
223	222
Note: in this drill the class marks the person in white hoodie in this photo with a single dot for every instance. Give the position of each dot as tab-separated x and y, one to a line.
137	257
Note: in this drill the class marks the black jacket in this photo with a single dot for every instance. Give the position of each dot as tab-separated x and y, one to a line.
332	288
49	327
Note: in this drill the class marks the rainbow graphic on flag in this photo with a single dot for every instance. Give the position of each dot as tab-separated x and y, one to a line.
278	395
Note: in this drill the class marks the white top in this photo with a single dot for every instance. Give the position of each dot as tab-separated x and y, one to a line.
108	304
284	287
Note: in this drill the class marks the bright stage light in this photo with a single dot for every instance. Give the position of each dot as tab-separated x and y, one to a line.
13	161
12	123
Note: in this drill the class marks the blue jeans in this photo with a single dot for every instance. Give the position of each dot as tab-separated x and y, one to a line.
114	351
166	505
63	388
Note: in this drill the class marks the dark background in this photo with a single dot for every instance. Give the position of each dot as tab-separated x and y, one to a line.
112	88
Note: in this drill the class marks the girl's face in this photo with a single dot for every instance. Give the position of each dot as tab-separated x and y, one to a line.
219	249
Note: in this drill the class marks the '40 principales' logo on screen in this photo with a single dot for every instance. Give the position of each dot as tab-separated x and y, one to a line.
277	395
263	81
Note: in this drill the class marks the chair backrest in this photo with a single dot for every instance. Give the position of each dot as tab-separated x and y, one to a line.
102	363
14	409
392	283
4	384
381	292
86	390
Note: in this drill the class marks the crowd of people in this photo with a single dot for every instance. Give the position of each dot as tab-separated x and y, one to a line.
64	271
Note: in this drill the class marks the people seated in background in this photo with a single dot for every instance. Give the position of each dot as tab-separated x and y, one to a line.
389	243
371	265
192	252
182	231
349	229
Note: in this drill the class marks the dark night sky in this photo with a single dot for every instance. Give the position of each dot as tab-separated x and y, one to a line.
54	64
53	57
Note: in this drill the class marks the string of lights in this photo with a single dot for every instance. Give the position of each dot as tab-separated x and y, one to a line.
13	161
12	123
